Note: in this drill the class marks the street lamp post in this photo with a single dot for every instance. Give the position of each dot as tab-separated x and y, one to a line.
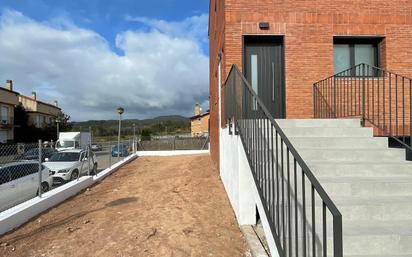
120	111
134	138
57	127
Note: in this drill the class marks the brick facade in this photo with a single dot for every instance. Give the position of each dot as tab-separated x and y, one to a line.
308	28
200	125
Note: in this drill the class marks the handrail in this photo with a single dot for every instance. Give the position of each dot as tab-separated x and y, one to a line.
271	157
380	98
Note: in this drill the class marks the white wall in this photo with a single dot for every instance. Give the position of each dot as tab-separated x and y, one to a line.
171	153
240	186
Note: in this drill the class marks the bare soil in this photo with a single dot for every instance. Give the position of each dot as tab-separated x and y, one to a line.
155	206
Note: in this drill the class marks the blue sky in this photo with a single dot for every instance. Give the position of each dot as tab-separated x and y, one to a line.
107	17
144	49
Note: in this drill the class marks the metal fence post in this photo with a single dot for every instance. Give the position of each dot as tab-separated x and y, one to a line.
363	96
110	155
81	166
40	168
88	160
334	99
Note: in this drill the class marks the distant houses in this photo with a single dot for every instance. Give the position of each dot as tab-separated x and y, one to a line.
40	113
199	122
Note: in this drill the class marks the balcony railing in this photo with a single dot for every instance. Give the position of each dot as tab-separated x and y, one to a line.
382	99
303	219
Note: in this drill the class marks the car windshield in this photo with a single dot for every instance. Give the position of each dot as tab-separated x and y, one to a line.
65	144
65	157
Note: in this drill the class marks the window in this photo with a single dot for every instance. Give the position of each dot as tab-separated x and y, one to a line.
254	77
5	115
348	52
4	176
19	171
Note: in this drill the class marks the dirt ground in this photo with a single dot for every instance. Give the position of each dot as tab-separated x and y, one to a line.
155	206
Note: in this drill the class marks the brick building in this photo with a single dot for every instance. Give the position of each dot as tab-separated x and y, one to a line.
8	101
40	113
199	123
283	47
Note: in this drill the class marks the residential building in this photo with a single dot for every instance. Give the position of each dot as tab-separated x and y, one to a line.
308	41
200	122
305	99
8	100
40	113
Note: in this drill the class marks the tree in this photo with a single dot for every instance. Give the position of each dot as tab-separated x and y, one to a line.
26	133
65	124
21	117
146	133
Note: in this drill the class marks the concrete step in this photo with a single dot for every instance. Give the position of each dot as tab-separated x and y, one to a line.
372	186
328	132
358	209
318	123
361	169
378	238
340	143
379	155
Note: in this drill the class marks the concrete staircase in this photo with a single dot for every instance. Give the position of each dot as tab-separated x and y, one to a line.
370	183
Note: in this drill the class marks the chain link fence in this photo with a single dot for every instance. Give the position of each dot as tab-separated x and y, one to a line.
109	153
29	170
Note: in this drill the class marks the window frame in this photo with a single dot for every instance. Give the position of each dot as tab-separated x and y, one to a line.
351	42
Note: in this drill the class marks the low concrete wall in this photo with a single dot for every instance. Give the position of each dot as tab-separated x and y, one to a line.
240	186
20	214
171	153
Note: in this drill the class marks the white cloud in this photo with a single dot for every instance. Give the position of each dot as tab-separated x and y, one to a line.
162	71
194	27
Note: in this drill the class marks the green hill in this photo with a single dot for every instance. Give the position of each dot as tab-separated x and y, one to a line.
173	124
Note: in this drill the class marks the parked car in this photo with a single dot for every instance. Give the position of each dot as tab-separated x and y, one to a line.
97	147
124	150
33	154
19	182
68	165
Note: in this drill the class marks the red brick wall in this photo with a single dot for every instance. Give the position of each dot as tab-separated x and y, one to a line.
308	28
216	39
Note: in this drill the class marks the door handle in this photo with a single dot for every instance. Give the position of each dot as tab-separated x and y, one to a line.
13	186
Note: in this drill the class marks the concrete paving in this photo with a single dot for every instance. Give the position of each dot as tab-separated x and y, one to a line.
255	244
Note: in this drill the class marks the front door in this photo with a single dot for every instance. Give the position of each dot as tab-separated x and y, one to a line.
264	70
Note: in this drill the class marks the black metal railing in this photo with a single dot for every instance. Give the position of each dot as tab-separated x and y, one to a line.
303	219
381	99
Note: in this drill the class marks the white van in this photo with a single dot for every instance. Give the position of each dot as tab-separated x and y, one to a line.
73	140
19	182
